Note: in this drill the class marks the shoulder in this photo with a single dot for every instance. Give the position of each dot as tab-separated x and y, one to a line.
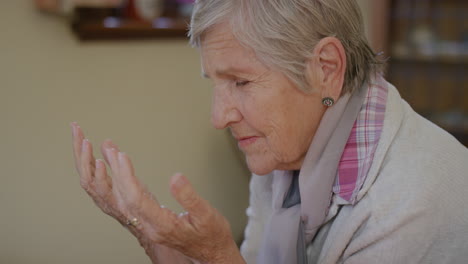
415	154
414	203
421	165
422	157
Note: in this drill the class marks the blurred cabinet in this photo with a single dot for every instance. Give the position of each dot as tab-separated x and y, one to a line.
130	20
427	46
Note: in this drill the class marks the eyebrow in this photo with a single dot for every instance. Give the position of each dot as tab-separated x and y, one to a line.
230	71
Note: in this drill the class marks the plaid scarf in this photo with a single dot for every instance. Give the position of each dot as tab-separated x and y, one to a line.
359	150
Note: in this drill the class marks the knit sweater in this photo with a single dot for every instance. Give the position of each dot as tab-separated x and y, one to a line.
412	208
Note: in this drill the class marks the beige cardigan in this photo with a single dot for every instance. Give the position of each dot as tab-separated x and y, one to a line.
412	208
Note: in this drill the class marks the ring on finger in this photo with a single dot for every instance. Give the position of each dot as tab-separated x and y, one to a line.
133	222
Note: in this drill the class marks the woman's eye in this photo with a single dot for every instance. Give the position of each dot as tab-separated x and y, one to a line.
241	83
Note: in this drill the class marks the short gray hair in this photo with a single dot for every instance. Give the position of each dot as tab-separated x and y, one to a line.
283	33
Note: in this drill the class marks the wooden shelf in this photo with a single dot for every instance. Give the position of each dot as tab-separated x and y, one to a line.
427	48
111	28
110	24
444	60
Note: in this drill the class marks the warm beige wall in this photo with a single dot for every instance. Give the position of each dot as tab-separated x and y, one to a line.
146	95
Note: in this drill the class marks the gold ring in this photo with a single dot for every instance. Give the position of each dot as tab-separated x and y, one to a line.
133	222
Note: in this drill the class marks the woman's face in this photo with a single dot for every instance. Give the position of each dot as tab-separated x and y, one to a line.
272	120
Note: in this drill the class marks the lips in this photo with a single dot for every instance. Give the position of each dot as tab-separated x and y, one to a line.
246	141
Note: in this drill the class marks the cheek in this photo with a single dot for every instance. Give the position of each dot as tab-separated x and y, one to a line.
273	122
254	112
291	132
275	144
283	143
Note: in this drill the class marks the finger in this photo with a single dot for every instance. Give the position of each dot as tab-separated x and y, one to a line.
77	144
102	187
108	144
186	195
112	160
87	165
103	183
126	180
140	202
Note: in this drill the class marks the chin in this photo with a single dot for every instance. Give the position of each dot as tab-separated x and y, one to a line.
260	167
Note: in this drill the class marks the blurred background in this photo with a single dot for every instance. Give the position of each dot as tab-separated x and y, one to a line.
123	70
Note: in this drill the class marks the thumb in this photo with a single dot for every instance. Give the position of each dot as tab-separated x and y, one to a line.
185	194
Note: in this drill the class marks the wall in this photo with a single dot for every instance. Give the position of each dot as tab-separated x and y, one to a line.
146	95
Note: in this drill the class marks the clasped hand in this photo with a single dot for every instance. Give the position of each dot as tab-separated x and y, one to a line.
201	235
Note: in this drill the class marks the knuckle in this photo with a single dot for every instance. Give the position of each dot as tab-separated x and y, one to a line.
191	199
104	207
85	184
107	197
205	221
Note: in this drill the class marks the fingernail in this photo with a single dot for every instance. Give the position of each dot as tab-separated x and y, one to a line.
98	164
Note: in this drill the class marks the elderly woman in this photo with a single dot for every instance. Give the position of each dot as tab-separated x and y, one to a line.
344	170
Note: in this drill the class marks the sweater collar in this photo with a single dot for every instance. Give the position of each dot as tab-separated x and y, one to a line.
358	154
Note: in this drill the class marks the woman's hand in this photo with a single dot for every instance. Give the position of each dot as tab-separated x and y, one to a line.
201	234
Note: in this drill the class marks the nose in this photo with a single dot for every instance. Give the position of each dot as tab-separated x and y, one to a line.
224	111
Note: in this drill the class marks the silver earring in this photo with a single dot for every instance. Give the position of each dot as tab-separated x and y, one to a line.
328	101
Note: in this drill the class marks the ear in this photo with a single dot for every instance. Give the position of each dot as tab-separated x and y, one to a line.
326	68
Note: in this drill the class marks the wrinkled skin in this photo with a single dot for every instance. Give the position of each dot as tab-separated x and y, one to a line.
201	235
